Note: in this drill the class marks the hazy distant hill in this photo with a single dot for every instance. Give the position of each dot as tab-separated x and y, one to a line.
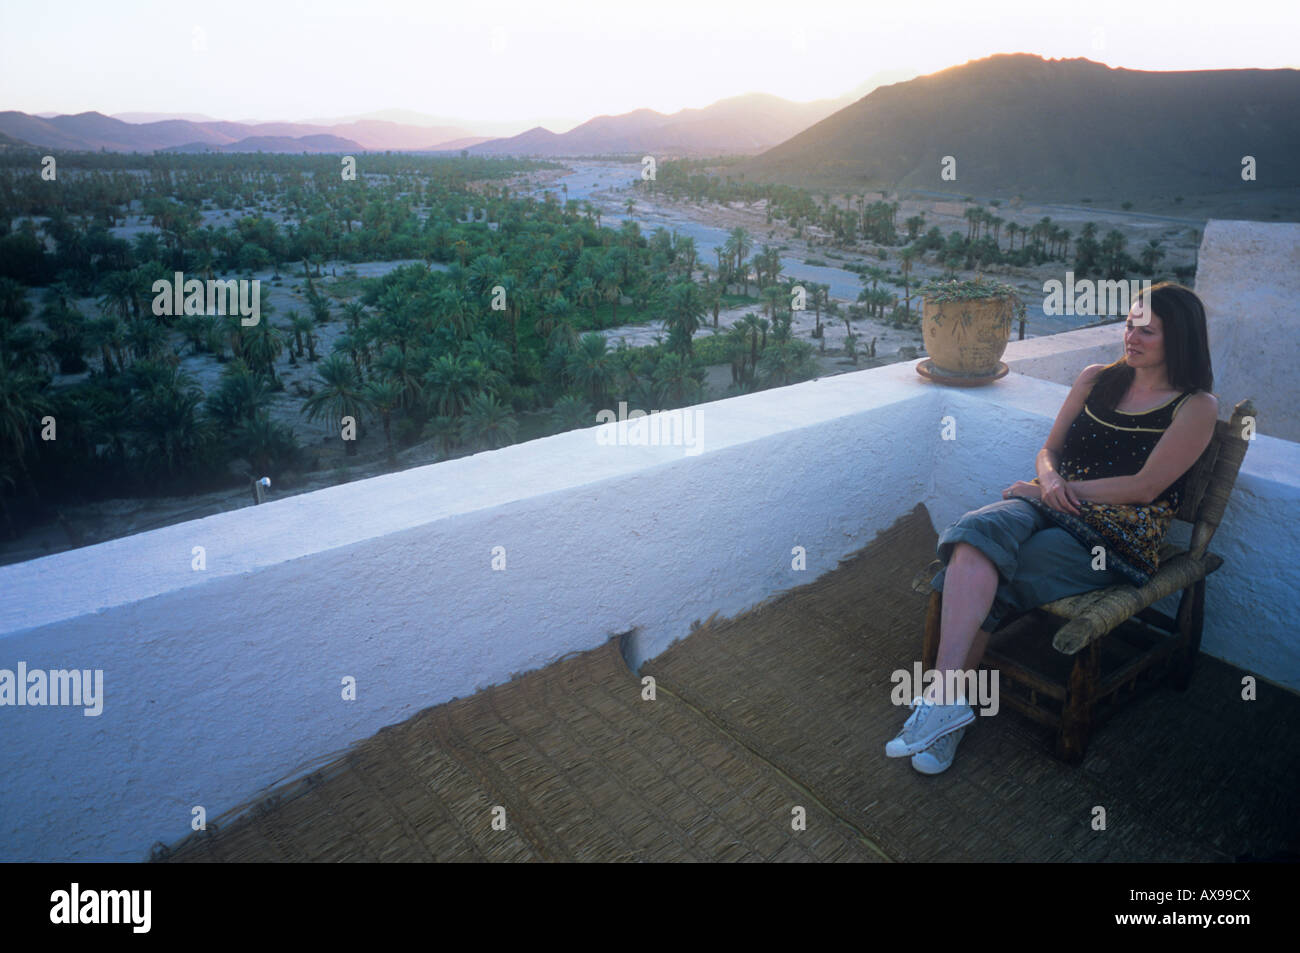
276	144
739	125
159	117
1017	123
94	131
457	144
473	128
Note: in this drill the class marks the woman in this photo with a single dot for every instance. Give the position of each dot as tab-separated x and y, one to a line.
1110	475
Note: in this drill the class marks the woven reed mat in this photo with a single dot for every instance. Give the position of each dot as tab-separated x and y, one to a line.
804	681
787	705
586	771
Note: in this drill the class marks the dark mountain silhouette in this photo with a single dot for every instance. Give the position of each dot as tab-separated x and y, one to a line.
1020	124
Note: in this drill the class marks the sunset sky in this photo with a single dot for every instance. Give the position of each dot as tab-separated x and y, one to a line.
517	59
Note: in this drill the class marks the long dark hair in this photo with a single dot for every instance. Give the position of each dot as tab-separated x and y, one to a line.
1187	347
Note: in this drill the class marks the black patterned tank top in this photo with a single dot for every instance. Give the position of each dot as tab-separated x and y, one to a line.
1110	443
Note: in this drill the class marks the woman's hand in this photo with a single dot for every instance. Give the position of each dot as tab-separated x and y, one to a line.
1058	495
1021	488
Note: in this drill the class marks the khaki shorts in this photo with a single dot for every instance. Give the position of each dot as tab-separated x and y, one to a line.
1037	561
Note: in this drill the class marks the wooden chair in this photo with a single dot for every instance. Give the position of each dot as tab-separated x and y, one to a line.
1156	645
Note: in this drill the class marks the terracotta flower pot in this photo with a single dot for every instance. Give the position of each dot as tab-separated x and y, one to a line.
966	338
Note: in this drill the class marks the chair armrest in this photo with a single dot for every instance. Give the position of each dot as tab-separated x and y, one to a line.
1117	604
921	581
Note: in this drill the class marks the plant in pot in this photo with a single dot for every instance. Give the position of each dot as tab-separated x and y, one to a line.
966	326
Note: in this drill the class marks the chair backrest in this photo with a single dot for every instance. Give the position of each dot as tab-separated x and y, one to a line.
1211	479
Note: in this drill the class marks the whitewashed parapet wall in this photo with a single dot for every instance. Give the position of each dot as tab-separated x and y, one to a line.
1248	275
1060	357
221	682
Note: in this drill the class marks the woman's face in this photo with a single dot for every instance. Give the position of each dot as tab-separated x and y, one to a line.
1144	342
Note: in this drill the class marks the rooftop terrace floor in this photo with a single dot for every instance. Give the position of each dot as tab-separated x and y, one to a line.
786	706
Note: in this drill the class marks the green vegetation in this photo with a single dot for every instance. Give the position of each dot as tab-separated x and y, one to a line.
849	219
970	290
487	339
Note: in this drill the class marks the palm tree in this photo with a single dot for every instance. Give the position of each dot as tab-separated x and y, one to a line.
678	380
265	343
611	290
488	423
905	261
754	328
712	295
404	369
686	250
21	405
446	433
741	244
383	396
168	428
354	312
449	385
238	398
590	366
587	293
14	306
264	443
146	338
454	312
571	412
685	309
772	296
1151	256
787	361
339	396
116	292
483	347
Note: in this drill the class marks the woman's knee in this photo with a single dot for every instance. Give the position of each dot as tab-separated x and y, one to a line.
969	561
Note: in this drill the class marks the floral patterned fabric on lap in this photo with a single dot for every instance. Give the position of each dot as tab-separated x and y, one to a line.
1112	443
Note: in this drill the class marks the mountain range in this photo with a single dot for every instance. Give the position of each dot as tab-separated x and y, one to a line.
92	131
1007	124
739	125
1018	123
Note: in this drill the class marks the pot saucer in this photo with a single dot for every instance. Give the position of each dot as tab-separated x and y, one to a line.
931	373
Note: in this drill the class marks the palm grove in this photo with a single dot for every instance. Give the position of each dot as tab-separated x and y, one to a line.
491	338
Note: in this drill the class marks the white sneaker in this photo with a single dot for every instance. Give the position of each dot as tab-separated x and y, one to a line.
938	757
928	723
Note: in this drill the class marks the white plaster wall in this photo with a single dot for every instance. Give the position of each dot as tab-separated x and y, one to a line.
223	682
1248	275
220	683
1061	357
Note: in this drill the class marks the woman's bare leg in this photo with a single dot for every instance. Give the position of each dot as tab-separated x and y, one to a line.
969	586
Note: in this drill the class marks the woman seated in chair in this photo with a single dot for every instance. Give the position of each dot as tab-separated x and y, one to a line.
1110	475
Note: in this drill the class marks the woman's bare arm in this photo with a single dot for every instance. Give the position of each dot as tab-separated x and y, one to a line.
1053	486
